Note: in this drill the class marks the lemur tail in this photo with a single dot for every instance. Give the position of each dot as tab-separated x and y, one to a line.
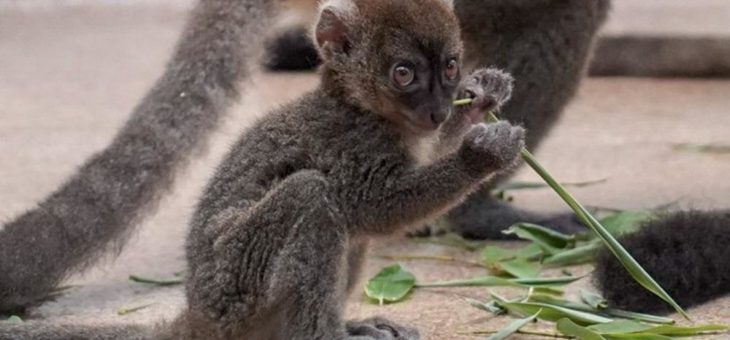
686	252
662	56
96	208
43	331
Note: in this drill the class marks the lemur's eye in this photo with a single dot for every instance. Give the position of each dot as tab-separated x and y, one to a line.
452	69
403	75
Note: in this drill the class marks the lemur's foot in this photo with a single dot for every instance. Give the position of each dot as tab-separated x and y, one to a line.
378	328
489	89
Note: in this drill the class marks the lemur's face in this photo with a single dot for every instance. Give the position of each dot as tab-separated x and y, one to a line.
419	63
399	59
417	83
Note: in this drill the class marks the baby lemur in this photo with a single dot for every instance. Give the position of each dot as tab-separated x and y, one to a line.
279	234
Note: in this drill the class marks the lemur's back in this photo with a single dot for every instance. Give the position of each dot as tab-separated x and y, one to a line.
313	132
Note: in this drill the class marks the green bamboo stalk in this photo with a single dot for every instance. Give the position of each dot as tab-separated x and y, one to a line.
628	261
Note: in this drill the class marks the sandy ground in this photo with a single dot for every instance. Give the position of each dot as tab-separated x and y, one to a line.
69	77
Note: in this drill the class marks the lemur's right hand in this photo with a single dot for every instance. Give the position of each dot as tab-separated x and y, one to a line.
489	89
492	147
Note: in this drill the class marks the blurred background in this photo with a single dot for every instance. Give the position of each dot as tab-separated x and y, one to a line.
674	16
71	71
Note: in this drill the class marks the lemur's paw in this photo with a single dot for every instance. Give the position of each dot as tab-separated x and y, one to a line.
379	328
489	89
493	146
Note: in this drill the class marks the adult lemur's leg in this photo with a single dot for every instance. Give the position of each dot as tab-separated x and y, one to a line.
98	206
284	259
545	45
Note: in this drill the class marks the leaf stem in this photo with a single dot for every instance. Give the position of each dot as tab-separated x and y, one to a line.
170	282
538	333
430	257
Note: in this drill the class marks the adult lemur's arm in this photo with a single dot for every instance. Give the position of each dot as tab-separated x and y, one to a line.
95	209
662	56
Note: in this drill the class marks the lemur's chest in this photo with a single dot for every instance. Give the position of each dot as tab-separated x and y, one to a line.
422	150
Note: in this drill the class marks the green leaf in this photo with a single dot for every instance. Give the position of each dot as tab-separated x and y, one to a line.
570	328
513	327
494	254
578	255
548	281
527	185
703	148
528	252
626	222
638	316
594	300
552	300
14	319
491	306
553	312
637	336
520	268
482	281
391	284
125	311
609	312
549	240
686	330
495	281
519	185
620	326
156	282
552	291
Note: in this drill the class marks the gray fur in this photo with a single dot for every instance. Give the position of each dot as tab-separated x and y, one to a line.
97	207
545	45
662	56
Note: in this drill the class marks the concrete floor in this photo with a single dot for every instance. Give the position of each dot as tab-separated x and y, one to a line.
69	77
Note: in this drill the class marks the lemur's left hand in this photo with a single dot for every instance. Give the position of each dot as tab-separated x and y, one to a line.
489	88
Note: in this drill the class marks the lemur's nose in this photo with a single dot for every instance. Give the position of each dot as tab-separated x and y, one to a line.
439	117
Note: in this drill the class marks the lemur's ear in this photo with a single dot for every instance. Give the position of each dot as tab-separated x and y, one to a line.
330	32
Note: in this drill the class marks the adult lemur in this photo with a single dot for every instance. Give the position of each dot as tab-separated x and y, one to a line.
623	55
278	236
543	43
